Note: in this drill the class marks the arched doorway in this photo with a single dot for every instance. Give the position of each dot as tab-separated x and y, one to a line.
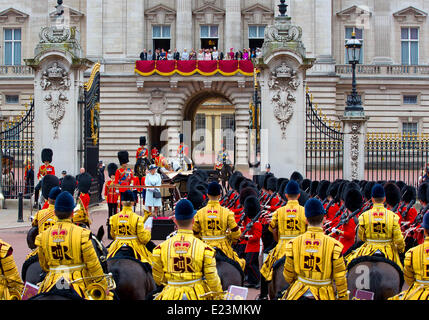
212	118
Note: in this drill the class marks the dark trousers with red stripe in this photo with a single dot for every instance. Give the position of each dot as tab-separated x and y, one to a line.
252	267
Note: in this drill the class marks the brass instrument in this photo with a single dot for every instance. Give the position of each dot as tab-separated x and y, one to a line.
14	294
95	291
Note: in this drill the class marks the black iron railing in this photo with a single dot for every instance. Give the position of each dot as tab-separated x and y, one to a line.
324	145
17	153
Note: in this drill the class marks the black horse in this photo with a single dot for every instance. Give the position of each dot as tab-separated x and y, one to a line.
278	284
229	271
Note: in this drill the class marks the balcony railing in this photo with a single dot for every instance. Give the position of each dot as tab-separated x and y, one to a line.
15	71
383	70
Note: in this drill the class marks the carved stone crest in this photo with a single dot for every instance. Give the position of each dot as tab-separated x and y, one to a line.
55	80
54	35
283	82
158	102
354	149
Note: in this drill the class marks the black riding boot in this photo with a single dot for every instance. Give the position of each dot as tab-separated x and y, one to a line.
264	289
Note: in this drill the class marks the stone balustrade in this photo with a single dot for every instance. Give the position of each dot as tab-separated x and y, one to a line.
383	70
15	71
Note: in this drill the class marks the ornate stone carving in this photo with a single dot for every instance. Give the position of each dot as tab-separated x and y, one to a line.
354	149
54	35
158	102
283	82
55	79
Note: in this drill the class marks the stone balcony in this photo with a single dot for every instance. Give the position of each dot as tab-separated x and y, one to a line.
16	71
383	70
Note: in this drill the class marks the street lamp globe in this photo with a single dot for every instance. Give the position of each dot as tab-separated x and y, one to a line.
353	47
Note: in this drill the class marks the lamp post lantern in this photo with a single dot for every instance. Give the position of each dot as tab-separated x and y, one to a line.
353	48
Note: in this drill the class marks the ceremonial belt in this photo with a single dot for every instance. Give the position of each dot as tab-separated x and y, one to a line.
287	237
424	282
126	238
178	283
378	240
314	282
71	267
213	237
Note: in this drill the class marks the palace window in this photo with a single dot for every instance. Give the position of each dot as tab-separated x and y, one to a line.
409	132
200	127
359	36
410	99
161	37
228	129
12	47
410	46
12	99
209	35
256	37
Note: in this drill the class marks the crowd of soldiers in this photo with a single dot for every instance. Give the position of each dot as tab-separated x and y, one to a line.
318	227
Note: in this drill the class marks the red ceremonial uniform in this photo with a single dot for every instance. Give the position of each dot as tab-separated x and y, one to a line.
110	193
84	197
154	153
348	237
45	205
275	203
253	243
410	216
124	177
44	170
142	152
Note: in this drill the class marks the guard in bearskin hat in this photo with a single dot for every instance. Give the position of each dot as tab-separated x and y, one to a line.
45	169
81	211
69	184
143	151
112	194
407	212
124	176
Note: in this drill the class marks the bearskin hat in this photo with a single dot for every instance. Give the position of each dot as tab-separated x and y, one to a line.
111	169
237	182
84	183
322	189
362	184
353	199
341	189
48	182
400	184
393	194
272	184
279	183
68	184
123	157
247	183
313	188
47	155
197	199
246	192
142	140
305	185
297	177
252	206
409	193
282	189
367	190
422	192
266	178
333	189
231	180
304	196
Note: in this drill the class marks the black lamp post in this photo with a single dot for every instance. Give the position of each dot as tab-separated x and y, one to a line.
353	47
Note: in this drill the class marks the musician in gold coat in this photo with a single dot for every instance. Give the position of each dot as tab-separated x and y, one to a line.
10	281
416	269
68	256
287	223
379	229
216	225
314	266
184	264
127	229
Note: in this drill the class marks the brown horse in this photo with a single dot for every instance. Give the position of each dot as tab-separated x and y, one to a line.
374	273
133	278
278	283
229	271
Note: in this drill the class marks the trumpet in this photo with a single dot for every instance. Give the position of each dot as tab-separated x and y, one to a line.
96	291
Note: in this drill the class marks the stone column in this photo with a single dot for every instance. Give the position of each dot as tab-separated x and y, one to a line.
382	23
94	29
283	72
354	145
135	28
233	32
58	78
323	30
184	25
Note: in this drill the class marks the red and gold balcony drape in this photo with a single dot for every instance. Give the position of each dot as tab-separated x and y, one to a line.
190	67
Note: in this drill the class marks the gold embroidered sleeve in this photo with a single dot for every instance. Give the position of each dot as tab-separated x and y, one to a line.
210	272
90	259
361	229
142	234
398	239
274	222
233	227
10	270
157	269
409	274
41	253
339	273
289	270
197	226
